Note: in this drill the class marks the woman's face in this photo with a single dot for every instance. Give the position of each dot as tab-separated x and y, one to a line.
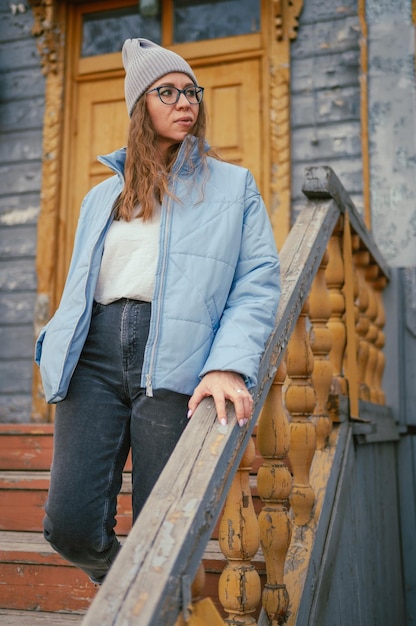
171	122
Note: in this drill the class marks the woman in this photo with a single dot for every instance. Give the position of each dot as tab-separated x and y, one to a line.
170	297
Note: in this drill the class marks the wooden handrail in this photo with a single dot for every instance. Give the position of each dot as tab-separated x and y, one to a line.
149	584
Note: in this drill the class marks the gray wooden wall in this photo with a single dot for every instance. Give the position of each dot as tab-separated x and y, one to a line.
326	129
392	128
21	118
325	95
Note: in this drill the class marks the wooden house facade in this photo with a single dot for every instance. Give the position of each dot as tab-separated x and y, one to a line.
291	86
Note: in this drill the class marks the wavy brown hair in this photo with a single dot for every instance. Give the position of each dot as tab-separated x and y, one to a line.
146	176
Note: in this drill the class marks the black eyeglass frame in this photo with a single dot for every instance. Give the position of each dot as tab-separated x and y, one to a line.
199	91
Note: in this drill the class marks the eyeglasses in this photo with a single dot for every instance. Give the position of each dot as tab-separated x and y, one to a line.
171	95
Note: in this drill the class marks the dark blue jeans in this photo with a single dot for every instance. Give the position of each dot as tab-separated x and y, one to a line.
106	412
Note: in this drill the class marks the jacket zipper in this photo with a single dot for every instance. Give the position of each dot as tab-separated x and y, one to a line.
149	385
166	237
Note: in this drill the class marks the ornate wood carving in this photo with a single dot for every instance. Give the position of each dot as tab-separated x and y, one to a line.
48	35
286	18
283	18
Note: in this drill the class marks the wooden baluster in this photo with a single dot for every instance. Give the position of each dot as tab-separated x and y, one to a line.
372	333
379	285
274	483
351	361
362	259
321	342
300	402
335	282
239	584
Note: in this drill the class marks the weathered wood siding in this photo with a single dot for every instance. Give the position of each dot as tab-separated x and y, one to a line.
407	450
21	115
326	129
325	95
401	395
392	127
355	575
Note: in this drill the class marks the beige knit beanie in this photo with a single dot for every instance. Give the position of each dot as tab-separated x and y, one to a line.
145	62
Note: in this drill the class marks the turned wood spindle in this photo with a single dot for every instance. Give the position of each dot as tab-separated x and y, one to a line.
300	402
239	587
380	322
274	483
362	259
321	342
372	333
335	283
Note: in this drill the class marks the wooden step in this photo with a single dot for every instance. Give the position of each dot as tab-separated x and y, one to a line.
26	446
34	577
9	617
29	447
36	585
23	495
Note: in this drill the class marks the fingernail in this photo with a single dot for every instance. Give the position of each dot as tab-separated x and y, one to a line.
224	422
243	422
189	414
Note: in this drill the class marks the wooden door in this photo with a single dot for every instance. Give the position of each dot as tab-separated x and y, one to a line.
97	120
232	94
101	127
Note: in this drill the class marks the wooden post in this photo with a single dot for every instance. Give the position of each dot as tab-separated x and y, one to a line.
274	483
300	402
239	587
321	342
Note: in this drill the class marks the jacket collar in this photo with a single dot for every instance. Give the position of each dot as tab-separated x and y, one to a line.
182	166
115	160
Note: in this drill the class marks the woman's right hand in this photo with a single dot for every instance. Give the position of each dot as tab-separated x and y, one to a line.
222	386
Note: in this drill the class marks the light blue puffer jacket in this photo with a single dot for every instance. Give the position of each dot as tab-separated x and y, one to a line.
217	280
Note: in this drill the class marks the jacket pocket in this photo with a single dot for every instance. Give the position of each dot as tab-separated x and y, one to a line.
39	343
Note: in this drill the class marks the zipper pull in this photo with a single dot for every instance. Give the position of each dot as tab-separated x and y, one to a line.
149	388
